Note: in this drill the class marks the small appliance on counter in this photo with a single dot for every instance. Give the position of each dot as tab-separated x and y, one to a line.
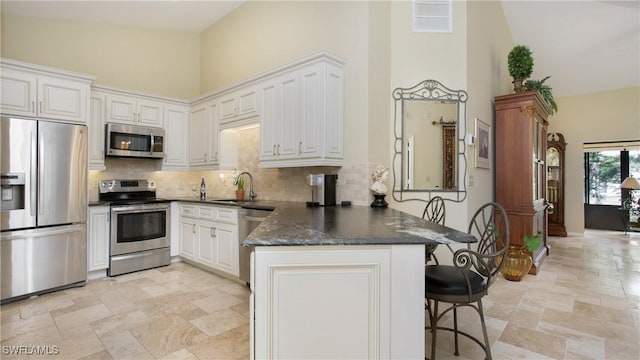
323	189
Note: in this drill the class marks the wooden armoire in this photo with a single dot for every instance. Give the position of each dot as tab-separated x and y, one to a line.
520	169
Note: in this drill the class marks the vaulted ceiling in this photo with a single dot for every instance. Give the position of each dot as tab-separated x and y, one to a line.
585	46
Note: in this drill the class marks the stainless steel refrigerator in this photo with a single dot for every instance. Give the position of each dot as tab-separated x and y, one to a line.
43	179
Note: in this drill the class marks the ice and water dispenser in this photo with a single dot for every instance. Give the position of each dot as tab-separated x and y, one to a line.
12	187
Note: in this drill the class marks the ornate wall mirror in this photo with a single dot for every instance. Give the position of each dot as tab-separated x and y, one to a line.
429	126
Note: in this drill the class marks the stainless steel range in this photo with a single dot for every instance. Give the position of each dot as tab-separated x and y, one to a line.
140	226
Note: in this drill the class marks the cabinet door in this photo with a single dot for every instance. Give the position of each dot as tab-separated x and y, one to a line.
312	112
246	102
206	244
188	233
212	132
121	109
96	132
226	251
269	115
18	92
227	108
149	113
197	136
98	242
288	144
62	99
176	121
333	112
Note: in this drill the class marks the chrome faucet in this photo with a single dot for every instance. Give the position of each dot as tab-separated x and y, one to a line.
252	195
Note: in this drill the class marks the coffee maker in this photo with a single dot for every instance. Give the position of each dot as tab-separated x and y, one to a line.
323	189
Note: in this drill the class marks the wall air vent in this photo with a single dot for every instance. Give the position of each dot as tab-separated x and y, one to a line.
432	16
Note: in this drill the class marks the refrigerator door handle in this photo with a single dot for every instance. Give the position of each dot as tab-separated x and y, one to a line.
33	169
41	194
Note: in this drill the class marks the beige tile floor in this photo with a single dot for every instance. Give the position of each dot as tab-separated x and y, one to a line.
584	304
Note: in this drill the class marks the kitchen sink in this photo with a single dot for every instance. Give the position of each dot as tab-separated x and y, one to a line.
231	201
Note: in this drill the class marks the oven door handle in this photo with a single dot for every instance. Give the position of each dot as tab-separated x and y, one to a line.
138	208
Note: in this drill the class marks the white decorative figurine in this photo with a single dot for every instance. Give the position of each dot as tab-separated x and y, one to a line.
379	176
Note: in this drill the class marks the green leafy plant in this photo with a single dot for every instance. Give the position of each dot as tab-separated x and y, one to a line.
240	184
520	62
544	90
532	243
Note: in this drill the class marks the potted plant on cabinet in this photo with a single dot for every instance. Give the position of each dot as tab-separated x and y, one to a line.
520	64
518	262
544	90
240	189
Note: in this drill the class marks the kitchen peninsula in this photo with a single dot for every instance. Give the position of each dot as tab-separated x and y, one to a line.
340	282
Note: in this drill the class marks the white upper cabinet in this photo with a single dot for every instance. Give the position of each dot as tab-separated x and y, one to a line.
109	104
238	105
301	120
96	131
203	135
176	125
131	110
37	91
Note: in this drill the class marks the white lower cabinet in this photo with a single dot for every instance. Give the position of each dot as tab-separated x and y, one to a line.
363	302
98	238
209	236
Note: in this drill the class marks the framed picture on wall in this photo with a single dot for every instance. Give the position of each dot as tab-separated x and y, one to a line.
483	131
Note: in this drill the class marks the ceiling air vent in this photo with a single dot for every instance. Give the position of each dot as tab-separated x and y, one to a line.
432	16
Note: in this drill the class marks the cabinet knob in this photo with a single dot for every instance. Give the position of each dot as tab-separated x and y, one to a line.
213	232
300	148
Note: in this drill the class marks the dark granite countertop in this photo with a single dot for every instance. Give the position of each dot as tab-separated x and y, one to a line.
294	223
99	203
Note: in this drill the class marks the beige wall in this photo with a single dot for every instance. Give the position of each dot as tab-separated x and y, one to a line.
417	56
489	42
261	35
159	62
606	116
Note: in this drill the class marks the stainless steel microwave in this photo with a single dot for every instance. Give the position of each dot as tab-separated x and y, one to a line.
134	141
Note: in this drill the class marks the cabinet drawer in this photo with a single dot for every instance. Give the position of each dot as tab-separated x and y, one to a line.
224	214
228	215
207	212
188	210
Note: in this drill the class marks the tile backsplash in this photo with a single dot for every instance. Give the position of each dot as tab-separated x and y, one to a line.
269	184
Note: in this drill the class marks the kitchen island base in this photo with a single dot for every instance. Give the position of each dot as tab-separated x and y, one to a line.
337	302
